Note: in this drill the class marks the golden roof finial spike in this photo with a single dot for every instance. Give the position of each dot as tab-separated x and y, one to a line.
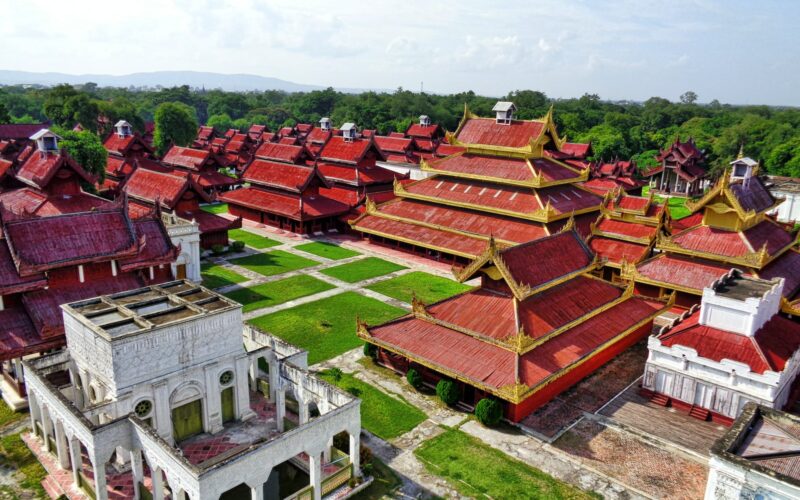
741	151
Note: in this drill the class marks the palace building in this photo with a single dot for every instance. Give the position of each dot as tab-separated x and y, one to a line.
539	322
682	170
124	146
618	174
729	227
176	192
163	392
203	164
500	179
733	349
59	244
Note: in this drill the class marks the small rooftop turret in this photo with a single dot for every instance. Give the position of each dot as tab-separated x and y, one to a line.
46	141
325	123
740	304
123	128
349	131
425	120
504	111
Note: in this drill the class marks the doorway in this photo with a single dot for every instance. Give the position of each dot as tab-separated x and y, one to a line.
187	420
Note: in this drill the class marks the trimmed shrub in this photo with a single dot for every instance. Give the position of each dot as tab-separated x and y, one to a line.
218	249
370	350
489	411
237	246
448	391
335	374
414	378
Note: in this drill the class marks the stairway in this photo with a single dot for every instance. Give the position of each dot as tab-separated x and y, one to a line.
700	413
660	399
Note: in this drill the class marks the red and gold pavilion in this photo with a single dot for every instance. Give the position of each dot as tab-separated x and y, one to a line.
539	322
502	177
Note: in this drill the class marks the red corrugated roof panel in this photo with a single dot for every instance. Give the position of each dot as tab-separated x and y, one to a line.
287	204
630	229
695	274
280	152
564	253
348	151
427	237
189	158
149	185
617	250
487	131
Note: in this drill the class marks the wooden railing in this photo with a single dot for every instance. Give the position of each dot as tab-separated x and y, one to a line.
337	479
306	493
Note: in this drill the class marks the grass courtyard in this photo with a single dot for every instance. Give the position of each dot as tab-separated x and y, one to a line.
277	292
361	270
16	456
326	327
381	414
252	239
217	276
272	263
327	250
477	470
676	204
217	208
427	287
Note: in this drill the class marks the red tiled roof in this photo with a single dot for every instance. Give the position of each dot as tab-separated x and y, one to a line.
426	145
5	167
10	281
786	266
629	229
39	168
564	253
211	179
71	203
512	169
281	152
193	159
210	223
734	244
287	204
205	133
149	185
616	250
317	135
487	131
255	131
281	175
424	131
769	350
769	233
576	149
157	248
365	176
44	243
687	222
694	274
20	131
291	141
120	145
504	228
601	185
22	200
118	166
428	237
18	336
351	151
444	149
350	197
752	195
393	144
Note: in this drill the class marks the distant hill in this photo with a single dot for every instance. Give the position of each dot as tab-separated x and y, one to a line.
196	79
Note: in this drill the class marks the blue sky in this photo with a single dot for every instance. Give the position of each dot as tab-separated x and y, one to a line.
734	51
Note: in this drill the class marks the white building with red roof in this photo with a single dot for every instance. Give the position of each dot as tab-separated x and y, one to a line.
733	349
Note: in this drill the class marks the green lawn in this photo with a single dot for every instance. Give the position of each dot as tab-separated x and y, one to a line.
328	250
381	414
327	327
362	269
218	208
216	276
427	287
272	263
277	292
9	416
461	459
676	205
15	455
251	239
384	482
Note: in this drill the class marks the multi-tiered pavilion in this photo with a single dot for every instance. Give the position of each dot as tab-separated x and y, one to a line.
503	178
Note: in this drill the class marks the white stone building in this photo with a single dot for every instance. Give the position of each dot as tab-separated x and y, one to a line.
787	188
167	376
758	458
185	235
734	349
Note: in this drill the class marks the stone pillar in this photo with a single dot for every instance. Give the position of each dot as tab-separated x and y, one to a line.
77	389
161	411
274	378
33	406
315	473
62	448
243	410
355	452
212	406
137	471
303	404
326	453
158	483
280	407
257	492
75	459
47	427
99	469
253	378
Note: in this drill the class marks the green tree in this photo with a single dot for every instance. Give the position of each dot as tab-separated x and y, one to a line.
414	378
688	97
86	148
489	411
5	116
175	124
220	122
448	391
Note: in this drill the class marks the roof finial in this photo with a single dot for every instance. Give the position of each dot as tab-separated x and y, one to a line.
741	151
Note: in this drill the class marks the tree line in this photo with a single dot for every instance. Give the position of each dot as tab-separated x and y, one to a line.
620	130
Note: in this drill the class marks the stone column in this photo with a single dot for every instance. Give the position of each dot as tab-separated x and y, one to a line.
161	411
158	483
253	378
137	471
77	389
47	427
257	492
326	453
355	452
303	404
212	406
75	459
99	469
315	473
62	448
243	410
33	406
280	407
274	378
